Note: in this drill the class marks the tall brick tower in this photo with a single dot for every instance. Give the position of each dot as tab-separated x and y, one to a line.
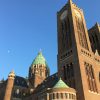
38	71
9	87
78	66
94	35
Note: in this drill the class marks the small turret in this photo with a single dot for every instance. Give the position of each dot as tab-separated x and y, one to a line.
96	53
9	86
11	75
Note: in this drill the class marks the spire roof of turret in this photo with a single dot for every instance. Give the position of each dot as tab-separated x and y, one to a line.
39	59
61	84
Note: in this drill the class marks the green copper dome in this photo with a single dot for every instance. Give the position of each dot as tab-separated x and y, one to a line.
60	84
39	60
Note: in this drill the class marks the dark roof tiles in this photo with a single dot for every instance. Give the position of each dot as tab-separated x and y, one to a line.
20	81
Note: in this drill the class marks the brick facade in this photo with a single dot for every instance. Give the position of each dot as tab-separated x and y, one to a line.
78	64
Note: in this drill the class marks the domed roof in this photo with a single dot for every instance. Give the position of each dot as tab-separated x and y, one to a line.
60	84
39	60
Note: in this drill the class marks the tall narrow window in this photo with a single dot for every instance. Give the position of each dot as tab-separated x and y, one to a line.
65	73
66	34
90	77
57	95
61	95
66	95
69	75
93	39
53	95
81	33
96	37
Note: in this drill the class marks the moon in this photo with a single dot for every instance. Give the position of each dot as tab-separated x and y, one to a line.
8	51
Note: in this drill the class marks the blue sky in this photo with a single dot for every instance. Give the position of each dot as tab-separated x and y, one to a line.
26	26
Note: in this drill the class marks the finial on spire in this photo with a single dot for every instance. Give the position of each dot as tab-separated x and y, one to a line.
60	78
70	1
40	50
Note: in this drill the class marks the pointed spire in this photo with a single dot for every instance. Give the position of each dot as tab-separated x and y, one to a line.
60	78
97	24
69	1
61	84
40	50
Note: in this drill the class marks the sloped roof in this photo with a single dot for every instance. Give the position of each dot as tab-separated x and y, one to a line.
49	82
39	59
20	81
60	84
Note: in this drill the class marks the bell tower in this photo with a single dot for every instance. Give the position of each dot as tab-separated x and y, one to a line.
38	70
76	64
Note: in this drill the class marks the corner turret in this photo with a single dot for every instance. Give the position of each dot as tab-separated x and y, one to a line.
9	86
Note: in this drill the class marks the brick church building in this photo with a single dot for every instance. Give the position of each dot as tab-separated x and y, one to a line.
78	74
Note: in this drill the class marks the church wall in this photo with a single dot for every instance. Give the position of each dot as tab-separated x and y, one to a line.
2	91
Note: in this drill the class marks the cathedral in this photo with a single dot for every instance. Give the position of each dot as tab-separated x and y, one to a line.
78	74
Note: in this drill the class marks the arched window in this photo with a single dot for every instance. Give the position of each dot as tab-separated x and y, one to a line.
93	39
65	73
81	33
90	77
66	95
53	95
70	97
57	95
69	75
66	34
96	38
61	95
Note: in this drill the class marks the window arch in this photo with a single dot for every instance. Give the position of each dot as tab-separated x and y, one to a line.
57	95
61	95
66	34
69	74
66	95
96	37
81	33
90	77
93	39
